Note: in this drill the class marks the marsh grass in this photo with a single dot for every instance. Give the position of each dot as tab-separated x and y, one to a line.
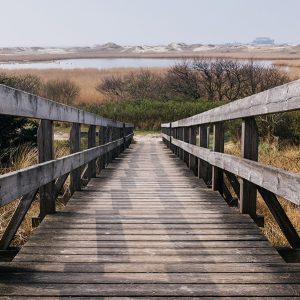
85	79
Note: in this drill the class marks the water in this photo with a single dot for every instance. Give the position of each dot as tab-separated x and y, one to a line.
100	63
97	63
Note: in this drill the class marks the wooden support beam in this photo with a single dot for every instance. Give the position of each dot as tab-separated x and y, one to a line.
218	146
75	177
91	144
249	143
203	166
16	220
233	182
280	216
193	160
46	153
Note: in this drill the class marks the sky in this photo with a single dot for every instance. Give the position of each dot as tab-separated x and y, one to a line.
147	22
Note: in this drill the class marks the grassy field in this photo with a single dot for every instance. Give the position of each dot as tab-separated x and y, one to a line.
86	79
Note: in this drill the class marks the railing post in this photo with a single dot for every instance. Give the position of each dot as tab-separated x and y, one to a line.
46	153
218	146
192	140
91	144
185	138
124	137
102	141
203	166
170	135
181	152
110	139
249	150
75	175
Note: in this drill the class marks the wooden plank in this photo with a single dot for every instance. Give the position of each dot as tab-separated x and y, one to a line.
276	100
100	268
46	153
158	289
146	278
17	103
277	181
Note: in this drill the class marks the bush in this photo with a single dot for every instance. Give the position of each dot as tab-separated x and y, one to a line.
64	91
17	131
149	114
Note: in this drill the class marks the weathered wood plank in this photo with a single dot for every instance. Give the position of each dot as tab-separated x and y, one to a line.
277	100
17	103
158	289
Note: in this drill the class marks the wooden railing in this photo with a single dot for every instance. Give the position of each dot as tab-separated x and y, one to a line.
49	175
244	174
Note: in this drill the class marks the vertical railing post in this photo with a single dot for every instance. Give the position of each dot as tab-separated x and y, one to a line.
124	137
170	134
181	152
110	139
218	146
102	141
186	139
75	175
203	166
46	153
192	140
176	150
249	145
91	144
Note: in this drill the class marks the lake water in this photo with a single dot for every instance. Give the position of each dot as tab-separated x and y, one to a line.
99	63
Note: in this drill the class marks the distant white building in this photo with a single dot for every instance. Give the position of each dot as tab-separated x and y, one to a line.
263	41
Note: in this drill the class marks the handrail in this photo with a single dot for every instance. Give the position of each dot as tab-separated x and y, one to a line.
49	175
277	100
31	178
245	175
278	181
18	103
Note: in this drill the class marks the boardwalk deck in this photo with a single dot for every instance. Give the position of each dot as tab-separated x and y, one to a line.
148	228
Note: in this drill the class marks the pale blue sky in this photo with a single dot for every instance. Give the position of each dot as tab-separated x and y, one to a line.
131	22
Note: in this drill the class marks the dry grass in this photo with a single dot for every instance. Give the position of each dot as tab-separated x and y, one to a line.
22	157
287	158
86	79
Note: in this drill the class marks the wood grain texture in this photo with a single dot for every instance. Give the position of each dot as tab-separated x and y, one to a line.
279	99
148	228
17	103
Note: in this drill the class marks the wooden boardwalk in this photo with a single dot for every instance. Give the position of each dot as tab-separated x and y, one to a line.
148	228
